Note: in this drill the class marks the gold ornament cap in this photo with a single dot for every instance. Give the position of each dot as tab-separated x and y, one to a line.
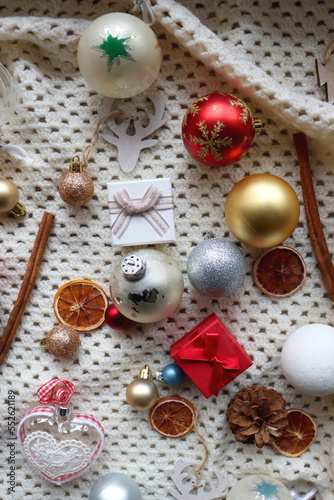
76	165
145	373
258	125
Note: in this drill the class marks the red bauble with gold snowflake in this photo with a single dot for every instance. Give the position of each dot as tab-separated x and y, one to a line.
218	129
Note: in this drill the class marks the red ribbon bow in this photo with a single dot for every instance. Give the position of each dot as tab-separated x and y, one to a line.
48	393
206	350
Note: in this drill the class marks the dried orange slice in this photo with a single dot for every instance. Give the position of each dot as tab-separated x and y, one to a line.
298	435
81	304
172	416
279	272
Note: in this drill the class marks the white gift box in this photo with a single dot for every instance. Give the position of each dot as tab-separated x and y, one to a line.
141	212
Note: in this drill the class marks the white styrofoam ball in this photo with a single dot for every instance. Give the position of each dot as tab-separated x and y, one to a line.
308	359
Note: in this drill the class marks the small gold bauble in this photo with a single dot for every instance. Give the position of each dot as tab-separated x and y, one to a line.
62	341
262	210
141	394
9	195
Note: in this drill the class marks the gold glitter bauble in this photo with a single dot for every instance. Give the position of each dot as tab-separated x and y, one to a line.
76	188
262	210
62	341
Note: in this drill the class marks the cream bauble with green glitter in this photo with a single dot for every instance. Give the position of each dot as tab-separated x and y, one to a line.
119	55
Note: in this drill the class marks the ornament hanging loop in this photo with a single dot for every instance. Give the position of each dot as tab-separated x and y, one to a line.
328	51
88	149
206	450
141	5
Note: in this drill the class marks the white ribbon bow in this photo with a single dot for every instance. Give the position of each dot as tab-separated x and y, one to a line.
308	496
147	206
17	152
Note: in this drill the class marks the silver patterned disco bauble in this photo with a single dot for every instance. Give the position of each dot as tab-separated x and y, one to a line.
115	486
146	286
216	267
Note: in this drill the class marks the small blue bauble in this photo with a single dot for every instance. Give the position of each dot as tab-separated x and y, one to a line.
172	374
216	267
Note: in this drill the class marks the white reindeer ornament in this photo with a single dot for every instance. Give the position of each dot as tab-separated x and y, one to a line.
185	488
129	146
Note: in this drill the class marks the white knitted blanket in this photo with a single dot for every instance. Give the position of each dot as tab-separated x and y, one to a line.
264	53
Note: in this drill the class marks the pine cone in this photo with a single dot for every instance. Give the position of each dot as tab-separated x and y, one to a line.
257	414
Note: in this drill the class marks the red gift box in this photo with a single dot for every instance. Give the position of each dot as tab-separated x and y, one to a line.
210	356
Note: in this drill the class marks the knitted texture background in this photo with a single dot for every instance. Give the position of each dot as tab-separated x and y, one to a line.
260	51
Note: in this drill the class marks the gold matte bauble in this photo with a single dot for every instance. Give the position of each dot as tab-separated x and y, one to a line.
262	210
9	195
141	394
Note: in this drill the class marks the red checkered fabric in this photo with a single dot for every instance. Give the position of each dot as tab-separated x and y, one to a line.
56	392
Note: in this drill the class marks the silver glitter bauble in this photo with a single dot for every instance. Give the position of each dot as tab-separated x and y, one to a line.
115	486
216	267
146	285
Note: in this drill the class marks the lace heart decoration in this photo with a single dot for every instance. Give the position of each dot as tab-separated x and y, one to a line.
56	456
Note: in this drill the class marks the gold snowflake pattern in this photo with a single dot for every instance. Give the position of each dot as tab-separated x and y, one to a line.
193	109
210	141
245	113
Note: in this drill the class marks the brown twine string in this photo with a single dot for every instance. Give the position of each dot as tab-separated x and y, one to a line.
88	149
206	450
329	49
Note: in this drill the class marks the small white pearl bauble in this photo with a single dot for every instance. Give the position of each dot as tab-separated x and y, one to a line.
259	486
119	55
307	360
115	486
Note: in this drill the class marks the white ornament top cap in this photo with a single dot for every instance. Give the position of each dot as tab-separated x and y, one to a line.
133	267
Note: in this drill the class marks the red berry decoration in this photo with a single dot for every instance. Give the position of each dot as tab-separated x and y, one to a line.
115	319
218	129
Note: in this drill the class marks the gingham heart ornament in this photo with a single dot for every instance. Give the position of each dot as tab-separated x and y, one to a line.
58	444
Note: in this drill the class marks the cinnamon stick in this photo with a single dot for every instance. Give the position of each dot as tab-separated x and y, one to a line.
28	283
316	233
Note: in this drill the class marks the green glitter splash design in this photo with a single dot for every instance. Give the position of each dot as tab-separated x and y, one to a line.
114	48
